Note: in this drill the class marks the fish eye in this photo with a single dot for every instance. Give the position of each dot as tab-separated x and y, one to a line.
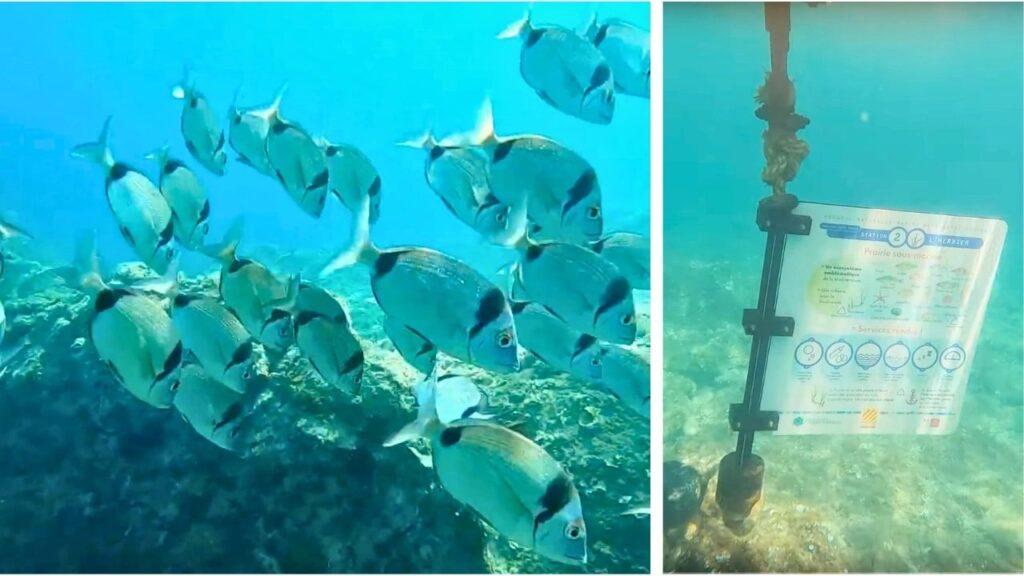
504	340
234	432
594	212
627	319
595	361
175	385
247	375
500	217
284	331
573	532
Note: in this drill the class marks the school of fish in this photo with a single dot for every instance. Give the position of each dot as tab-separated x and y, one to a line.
568	299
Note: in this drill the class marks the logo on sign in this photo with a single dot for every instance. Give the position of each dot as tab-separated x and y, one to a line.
869	418
934	423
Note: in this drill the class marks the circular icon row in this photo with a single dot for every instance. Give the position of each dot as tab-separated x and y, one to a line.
839	353
899	237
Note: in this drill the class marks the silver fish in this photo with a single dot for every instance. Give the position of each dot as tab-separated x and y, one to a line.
186	197
560	188
217	339
442	299
579	286
9	230
628	377
627	49
513	483
631	254
459	177
142	213
260	300
414	348
547	337
3	323
352	176
247	133
135	338
204	137
325	337
214	411
298	163
566	71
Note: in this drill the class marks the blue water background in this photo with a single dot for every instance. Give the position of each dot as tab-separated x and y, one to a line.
367	74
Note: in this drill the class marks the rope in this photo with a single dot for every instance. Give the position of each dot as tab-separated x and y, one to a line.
783	151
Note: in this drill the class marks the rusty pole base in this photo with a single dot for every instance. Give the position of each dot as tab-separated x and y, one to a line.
739	489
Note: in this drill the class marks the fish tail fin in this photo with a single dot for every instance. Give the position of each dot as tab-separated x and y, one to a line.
287	303
87	262
160	155
426	416
273	110
425	141
225	249
182	89
98	151
483	134
518	29
509	273
361	249
164	285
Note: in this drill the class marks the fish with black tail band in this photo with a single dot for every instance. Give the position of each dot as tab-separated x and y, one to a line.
203	135
247	133
513	483
627	376
419	352
567	71
135	338
459	177
631	254
455	397
260	300
186	197
547	337
560	189
214	411
447	399
142	213
217	339
352	176
325	338
627	48
297	162
586	291
445	301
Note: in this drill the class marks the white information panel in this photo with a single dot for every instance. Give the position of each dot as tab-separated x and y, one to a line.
888	306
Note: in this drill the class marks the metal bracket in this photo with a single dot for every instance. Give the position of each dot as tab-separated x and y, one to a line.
761	421
754	324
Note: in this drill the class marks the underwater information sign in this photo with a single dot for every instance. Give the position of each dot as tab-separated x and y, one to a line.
888	306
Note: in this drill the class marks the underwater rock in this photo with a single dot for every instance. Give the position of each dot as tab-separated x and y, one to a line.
684	490
313	491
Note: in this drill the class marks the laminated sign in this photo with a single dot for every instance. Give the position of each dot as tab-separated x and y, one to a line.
888	306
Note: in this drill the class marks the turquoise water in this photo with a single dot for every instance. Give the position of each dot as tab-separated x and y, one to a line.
102	482
912	107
